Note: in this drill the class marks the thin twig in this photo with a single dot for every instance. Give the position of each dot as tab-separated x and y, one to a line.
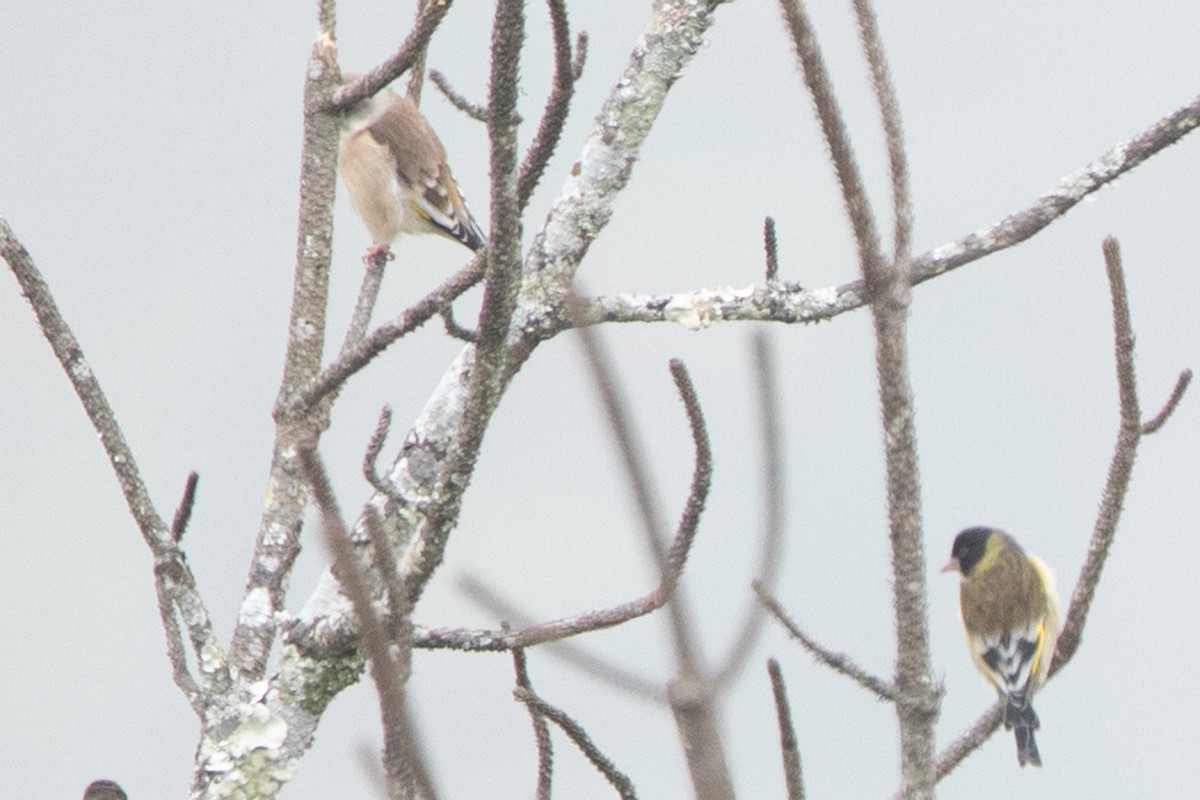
541	731
771	246
174	578
401	632
586	661
841	152
889	107
454	329
1181	384
1120	468
838	662
472	110
399	609
491	640
918	694
370	469
490	372
690	693
416	73
336	374
364	306
675	560
581	740
788	747
581	49
689	521
176	653
183	514
277	541
405	58
648	504
969	740
554	116
385	672
769	560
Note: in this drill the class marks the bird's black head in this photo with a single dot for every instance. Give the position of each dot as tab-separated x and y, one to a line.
969	548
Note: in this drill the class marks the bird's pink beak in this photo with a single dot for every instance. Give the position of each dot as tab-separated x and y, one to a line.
952	566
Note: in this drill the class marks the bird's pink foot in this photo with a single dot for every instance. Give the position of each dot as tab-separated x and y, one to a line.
377	251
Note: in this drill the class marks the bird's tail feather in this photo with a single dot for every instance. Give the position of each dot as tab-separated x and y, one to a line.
1023	720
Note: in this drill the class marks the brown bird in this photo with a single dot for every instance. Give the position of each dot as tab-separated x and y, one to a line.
1010	613
394	169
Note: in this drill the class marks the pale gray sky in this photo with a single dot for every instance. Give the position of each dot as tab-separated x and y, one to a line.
148	160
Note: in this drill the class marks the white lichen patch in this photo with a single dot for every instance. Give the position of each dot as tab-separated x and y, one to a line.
699	309
250	762
212	659
256	608
825	297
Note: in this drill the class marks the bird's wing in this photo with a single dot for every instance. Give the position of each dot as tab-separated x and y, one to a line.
1011	658
421	165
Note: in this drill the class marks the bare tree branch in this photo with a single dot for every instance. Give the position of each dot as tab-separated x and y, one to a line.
701	477
648	504
918	698
541	731
368	294
771	246
579	737
411	52
175	583
1120	468
837	138
675	560
1160	419
452	327
416	73
838	662
385	672
672	37
1116	486
693	699
490	366
769	560
554	117
969	740
472	110
336	374
374	447
399	609
792	775
781	304
183	514
277	541
176	653
889	106
581	50
889	289
587	661
691	694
